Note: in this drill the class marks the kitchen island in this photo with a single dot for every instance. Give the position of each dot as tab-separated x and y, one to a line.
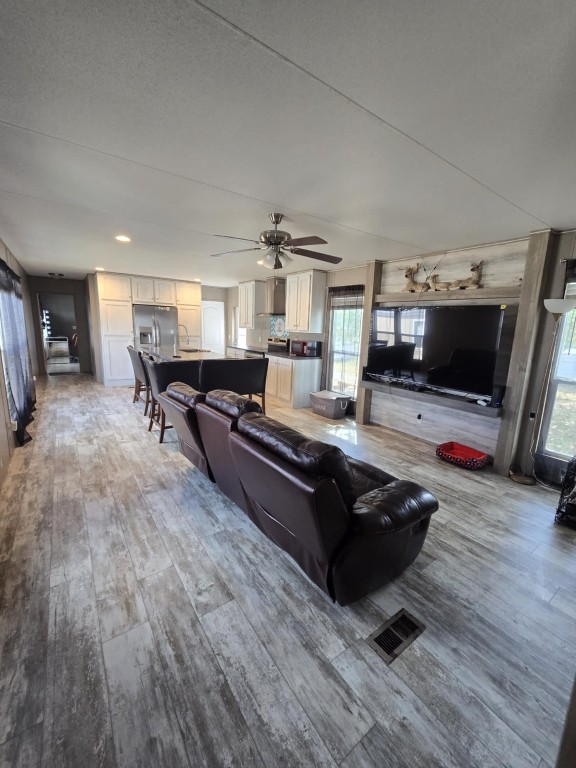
289	378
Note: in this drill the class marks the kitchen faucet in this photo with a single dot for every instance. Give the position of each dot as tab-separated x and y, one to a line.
180	325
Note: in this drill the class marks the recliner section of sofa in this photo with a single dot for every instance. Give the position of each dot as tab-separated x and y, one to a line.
179	403
217	418
350	526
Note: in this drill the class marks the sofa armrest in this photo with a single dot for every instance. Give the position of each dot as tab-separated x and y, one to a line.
185	394
398	505
367	477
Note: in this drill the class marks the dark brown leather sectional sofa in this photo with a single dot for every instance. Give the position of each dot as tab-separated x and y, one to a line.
350	526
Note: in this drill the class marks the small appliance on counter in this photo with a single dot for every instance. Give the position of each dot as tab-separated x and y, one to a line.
277	345
305	348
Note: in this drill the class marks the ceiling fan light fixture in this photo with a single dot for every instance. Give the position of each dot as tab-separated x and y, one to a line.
285	259
269	258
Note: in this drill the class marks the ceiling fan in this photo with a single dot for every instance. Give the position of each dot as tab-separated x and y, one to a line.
276	245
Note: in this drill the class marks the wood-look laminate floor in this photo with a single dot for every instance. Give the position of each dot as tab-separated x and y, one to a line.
146	622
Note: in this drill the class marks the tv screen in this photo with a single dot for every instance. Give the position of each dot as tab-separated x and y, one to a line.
457	349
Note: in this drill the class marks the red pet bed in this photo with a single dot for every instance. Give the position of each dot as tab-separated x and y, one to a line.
462	455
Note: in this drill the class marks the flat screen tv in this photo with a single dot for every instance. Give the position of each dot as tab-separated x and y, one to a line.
460	350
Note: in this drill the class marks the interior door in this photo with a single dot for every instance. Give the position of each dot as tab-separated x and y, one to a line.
213	326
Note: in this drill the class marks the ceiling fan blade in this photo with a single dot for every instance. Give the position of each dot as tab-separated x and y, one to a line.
231	237
312	240
316	255
242	250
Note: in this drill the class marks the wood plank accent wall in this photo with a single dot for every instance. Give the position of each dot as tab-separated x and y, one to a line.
437	423
504	276
503	266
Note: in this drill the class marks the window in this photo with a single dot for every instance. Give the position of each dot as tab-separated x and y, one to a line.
400	325
345	306
559	422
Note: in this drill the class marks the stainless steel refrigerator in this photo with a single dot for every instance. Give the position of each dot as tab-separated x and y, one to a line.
155	327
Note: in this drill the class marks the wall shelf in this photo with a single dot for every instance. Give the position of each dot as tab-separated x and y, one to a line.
465	296
436	398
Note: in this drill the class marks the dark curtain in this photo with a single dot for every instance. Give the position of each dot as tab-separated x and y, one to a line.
15	356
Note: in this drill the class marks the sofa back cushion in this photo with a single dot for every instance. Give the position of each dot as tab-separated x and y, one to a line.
310	456
165	373
231	403
245	376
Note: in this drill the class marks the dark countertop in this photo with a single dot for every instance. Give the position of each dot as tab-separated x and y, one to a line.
167	355
272	354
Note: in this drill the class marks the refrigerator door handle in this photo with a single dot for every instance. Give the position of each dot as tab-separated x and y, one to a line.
158	334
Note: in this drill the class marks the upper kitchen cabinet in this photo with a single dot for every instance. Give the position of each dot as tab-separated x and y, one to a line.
116	287
164	292
252	302
305	301
143	290
146	290
188	293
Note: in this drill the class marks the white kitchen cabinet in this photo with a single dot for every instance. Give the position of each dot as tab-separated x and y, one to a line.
252	301
279	377
116	318
293	380
147	290
143	290
114	287
164	292
188	294
306	301
272	377
191	319
117	364
284	384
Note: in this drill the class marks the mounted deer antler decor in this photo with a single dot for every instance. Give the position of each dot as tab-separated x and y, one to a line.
412	285
469	282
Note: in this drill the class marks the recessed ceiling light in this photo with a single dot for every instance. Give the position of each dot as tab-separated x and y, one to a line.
99	269
260	262
122	238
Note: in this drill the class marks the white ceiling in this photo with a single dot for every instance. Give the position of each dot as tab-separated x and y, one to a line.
387	128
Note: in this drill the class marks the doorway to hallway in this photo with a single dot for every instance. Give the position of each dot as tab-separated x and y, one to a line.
59	333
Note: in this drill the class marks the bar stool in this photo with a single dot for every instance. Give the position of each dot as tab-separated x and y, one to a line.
141	381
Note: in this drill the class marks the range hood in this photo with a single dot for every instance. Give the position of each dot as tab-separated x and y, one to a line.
275	297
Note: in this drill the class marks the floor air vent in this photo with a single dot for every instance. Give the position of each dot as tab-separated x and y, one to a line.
395	635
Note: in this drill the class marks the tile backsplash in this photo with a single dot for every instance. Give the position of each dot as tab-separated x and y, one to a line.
278	327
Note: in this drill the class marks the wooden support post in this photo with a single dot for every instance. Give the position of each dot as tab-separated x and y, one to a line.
541	251
373	288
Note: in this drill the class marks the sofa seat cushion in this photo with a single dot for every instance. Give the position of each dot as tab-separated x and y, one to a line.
310	456
231	403
185	394
398	505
